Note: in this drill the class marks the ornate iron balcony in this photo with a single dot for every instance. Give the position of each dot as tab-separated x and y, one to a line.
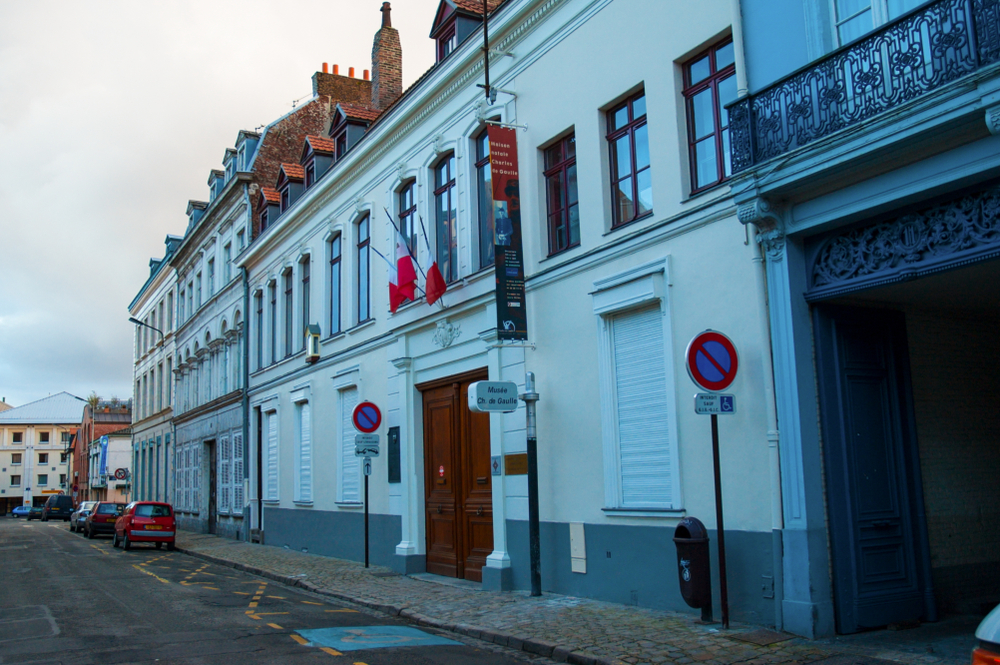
921	51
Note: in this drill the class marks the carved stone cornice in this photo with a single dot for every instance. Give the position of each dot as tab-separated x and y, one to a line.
403	363
761	213
773	244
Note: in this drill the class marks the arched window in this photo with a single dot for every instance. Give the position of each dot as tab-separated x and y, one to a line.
446	218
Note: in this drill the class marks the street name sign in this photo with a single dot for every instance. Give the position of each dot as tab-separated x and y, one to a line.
707	404
366	445
493	396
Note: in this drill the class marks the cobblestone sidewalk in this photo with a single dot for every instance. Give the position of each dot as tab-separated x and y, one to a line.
564	628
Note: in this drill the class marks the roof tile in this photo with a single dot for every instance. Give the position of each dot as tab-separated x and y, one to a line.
320	144
270	195
356	112
476	6
294	171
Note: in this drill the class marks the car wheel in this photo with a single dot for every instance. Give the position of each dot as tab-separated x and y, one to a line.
159	545
114	539
127	545
72	527
170	547
90	534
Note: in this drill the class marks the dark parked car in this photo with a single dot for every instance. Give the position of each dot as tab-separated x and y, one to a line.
35	513
57	506
102	518
79	515
20	511
145	522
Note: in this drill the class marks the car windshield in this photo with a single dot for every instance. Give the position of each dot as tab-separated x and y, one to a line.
107	509
152	511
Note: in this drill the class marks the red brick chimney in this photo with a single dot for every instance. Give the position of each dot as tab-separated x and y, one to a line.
387	63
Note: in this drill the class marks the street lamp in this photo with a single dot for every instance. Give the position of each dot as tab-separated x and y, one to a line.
143	323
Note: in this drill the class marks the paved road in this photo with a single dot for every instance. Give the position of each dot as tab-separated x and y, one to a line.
67	599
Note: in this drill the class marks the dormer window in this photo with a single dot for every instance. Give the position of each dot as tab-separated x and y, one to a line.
291	183
268	207
317	158
216	180
229	163
447	42
455	21
350	122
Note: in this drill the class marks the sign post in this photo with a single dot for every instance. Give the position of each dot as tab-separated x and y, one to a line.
530	397
712	363
367	418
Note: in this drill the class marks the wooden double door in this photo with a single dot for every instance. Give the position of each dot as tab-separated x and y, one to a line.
458	495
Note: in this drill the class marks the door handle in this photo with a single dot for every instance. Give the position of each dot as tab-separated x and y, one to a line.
439	509
479	511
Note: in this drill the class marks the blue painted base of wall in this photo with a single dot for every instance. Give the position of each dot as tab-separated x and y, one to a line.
637	565
338	534
410	564
498	579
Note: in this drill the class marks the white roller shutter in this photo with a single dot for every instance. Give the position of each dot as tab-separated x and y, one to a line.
349	482
305	453
272	457
641	409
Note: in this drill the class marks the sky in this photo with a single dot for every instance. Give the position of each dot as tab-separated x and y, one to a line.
112	114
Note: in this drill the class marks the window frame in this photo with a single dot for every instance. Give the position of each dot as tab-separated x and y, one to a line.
561	169
628	129
305	270
448	264
259	320
690	90
289	310
407	214
447	40
485	222
335	247
272	294
363	308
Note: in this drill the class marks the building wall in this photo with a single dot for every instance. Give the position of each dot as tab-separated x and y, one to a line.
56	469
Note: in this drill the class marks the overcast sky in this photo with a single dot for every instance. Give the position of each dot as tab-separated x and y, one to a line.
112	114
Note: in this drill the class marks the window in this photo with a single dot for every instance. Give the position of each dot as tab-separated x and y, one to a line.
240	240
43	438
271	457
154	401
310	173
638	405
364	310
197	281
272	292
446	218
258	306
263	217
305	299
288	312
169	379
159	387
334	285
709	84
43	458
227	257
349	482
15	458
17	437
484	188
180	311
15	481
225	457
447	42
854	18
191	296
286	198
43	479
408	215
561	195
631	181
237	472
65	437
62	479
170	311
303	466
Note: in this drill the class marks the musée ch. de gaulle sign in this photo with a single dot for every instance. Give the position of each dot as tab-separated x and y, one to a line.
512	319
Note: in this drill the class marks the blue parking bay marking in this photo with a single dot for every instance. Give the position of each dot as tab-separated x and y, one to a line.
371	637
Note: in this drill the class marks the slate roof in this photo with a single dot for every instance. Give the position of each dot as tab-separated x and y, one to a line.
59	409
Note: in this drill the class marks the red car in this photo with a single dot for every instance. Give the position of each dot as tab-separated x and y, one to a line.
145	522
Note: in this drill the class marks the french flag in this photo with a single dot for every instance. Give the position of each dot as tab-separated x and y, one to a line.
402	277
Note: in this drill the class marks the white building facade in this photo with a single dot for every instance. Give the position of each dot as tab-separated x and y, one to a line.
631	247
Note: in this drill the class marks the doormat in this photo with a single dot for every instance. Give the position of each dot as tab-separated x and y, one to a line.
761	637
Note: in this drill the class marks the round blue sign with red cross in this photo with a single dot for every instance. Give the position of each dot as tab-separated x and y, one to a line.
712	361
366	417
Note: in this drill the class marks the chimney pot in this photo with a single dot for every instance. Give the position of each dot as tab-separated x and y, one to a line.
326	68
336	69
350	72
366	74
386	17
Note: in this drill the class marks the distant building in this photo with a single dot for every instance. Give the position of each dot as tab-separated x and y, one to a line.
4	406
34	449
105	417
111	456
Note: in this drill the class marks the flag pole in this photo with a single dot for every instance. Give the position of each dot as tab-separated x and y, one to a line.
429	252
372	247
405	244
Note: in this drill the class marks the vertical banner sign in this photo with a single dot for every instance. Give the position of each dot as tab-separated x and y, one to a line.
104	456
512	319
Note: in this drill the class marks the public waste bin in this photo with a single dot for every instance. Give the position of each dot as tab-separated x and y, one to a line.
693	568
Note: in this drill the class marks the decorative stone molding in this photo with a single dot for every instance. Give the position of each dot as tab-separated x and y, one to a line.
403	363
759	212
447	332
773	244
959	232
993	119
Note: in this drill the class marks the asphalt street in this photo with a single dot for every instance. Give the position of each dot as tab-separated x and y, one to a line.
67	599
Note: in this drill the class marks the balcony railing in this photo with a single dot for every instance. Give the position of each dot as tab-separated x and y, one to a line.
921	51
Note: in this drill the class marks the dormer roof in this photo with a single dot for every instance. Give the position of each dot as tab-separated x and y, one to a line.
319	145
215	173
471	8
196	205
291	172
357	112
269	196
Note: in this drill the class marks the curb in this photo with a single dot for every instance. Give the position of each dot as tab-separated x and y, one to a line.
563	653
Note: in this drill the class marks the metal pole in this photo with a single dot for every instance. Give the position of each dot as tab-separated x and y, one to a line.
723	589
530	397
366	520
486	49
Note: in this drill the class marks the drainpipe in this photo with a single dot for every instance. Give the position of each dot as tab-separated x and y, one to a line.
246	402
741	67
774	459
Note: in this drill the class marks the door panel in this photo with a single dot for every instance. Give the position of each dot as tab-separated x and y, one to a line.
872	469
459	485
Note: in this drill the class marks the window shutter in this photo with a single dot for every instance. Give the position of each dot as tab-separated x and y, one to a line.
641	409
223	478
238	499
349	483
305	454
272	456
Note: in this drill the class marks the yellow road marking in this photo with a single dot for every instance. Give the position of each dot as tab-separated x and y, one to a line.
210	587
360	663
99	549
309	602
301	640
150	573
268	614
332	652
274	625
279	597
252	604
242	593
342	611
